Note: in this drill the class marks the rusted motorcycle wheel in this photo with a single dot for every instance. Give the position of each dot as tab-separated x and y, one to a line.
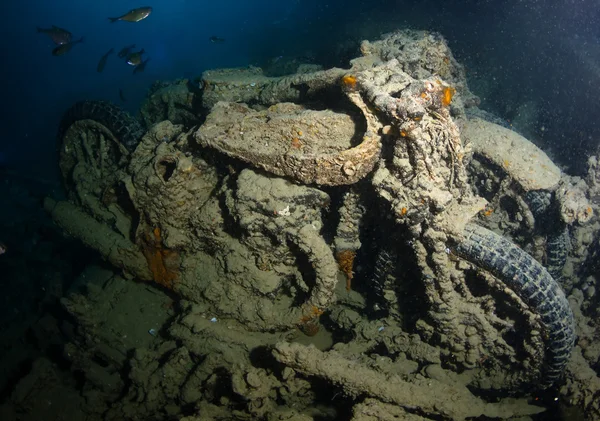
95	140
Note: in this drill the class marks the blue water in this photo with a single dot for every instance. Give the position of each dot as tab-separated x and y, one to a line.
515	51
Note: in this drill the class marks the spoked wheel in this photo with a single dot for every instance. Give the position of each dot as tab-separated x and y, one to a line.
542	328
95	143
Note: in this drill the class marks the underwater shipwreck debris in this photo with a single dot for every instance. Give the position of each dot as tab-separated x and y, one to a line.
427	395
265	139
173	101
124	127
347	235
116	249
239	202
297	231
429	169
93	160
519	157
163	262
345	259
536	203
532	283
574	206
250	85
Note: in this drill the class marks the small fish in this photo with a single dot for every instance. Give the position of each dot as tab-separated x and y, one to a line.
65	48
216	40
134	59
102	61
134	15
3	248
122	95
58	35
140	67
126	50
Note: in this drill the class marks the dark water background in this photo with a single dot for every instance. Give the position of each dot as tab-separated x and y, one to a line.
516	52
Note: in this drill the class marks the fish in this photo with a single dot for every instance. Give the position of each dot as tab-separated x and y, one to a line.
58	35
102	61
122	95
134	15
3	248
134	59
140	67
65	48
125	51
216	40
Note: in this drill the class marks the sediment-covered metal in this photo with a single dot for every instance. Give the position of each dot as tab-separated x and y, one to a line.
251	238
116	249
126	128
320	147
520	158
429	395
533	284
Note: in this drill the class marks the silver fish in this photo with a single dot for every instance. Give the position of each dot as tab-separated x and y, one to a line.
134	15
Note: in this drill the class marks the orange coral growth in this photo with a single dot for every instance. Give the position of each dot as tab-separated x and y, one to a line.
313	313
163	263
296	143
487	211
349	81
345	259
309	322
447	94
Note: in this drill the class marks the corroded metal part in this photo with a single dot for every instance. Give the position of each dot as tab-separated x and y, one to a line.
521	159
424	179
124	127
360	379
92	163
115	248
312	147
174	101
250	85
534	285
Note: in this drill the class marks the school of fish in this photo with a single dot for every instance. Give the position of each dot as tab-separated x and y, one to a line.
63	39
